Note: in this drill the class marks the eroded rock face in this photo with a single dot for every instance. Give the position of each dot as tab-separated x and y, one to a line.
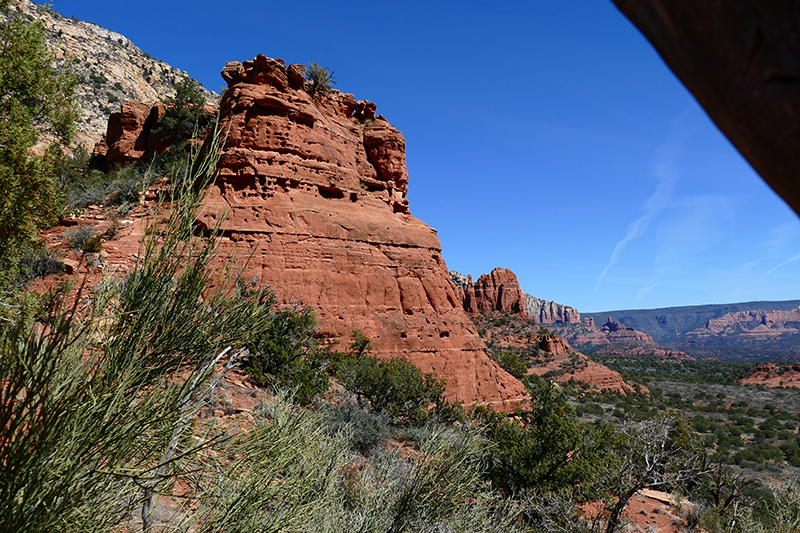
127	136
621	334
497	291
773	375
544	312
312	191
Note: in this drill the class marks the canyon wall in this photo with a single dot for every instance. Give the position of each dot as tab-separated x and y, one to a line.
312	196
544	312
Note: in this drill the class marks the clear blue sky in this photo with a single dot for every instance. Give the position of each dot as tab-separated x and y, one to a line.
544	136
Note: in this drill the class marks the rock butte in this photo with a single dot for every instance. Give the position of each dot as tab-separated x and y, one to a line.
311	195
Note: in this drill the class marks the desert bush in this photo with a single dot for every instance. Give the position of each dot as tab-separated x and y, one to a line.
80	236
541	446
364	430
439	488
90	428
284	354
38	262
395	387
510	361
319	79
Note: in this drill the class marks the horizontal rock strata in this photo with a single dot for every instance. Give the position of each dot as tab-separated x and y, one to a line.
312	194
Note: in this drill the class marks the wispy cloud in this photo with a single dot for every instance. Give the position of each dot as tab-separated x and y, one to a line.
792	260
667	175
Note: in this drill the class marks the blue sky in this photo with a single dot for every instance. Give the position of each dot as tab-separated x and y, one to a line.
544	136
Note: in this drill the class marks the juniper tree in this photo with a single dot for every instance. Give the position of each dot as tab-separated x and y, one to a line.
36	99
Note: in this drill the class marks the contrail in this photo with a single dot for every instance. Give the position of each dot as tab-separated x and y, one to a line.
667	174
792	260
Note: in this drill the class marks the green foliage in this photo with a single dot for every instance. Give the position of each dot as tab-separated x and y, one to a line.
81	237
510	361
319	79
37	262
364	430
539	447
394	387
183	121
282	355
36	98
89	425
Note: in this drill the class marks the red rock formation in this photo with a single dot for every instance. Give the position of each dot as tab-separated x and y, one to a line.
556	358
312	191
126	139
621	334
499	291
773	375
544	312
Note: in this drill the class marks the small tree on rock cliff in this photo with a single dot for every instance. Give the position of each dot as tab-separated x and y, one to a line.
320	79
182	121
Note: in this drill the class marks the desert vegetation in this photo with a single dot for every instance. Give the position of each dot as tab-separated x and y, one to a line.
108	390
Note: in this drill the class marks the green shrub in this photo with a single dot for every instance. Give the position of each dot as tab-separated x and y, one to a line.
80	237
183	121
394	387
510	362
364	430
38	262
319	79
541	447
283	354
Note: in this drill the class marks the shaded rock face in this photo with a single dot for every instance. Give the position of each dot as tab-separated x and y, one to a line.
544	312
740	60
312	193
621	334
497	291
127	137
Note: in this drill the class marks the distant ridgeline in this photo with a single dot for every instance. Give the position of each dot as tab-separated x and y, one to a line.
748	328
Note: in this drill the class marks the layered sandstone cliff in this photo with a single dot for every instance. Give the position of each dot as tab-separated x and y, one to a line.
497	291
544	312
752	325
312	192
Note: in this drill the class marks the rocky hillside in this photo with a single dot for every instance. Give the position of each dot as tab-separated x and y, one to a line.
773	375
110	69
496	305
